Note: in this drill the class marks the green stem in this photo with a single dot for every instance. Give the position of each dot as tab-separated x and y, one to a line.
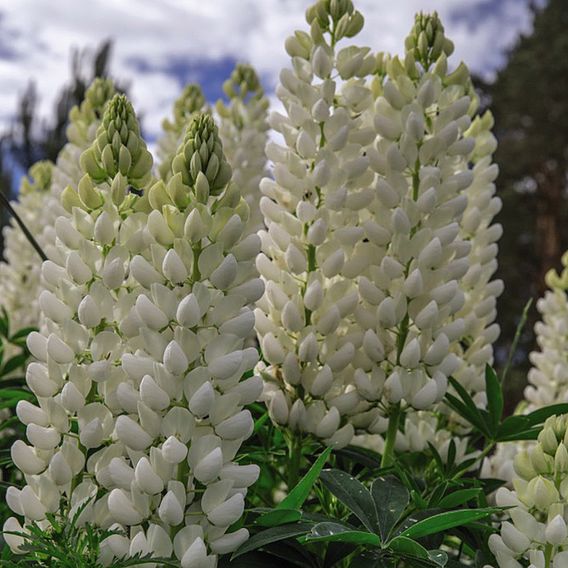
295	460
196	275
388	452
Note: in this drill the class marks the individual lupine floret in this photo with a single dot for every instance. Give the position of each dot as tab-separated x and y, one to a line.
243	129
190	102
20	271
535	530
77	373
313	248
183	419
412	293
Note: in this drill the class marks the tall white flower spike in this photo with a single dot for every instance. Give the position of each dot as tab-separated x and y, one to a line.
416	302
20	271
243	128
313	248
77	374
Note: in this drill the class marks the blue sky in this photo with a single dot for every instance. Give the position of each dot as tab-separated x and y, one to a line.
161	45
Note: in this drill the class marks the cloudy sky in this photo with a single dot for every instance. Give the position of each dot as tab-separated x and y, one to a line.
161	45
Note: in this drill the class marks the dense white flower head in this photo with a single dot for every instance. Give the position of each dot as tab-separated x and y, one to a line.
535	528
20	271
313	249
413	295
243	128
138	367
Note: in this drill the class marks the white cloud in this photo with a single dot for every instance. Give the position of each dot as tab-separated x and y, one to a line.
43	32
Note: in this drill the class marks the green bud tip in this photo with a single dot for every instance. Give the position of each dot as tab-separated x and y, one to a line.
118	146
242	82
200	159
427	40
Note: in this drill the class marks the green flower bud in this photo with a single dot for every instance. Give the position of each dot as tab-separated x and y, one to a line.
542	463
523	466
38	178
88	194
70	199
547	440
542	493
200	159
561	459
244	80
427	41
118	147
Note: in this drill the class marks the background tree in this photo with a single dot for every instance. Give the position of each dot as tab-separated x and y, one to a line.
529	100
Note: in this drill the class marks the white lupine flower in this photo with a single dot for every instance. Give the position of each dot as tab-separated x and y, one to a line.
68	376
313	247
20	272
190	102
535	519
432	224
243	129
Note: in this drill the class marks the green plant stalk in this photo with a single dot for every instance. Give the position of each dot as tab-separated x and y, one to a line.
295	457
394	419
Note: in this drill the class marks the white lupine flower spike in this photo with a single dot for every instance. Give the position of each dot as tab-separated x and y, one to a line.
313	247
243	129
420	296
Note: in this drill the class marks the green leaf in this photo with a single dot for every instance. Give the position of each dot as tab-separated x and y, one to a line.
295	499
14	363
439	557
391	498
279	517
539	416
454	500
467	410
335	532
353	494
362	456
273	534
408	547
444	521
494	398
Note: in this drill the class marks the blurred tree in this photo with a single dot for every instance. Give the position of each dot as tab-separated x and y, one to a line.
529	100
31	139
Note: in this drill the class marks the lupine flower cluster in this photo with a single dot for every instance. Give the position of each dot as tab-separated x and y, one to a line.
20	272
243	128
538	506
138	367
313	247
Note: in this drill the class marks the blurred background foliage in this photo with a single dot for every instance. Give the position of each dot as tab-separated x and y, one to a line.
529	100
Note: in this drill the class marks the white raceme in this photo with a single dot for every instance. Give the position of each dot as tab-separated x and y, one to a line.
243	128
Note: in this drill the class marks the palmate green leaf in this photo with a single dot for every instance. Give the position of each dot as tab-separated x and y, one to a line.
336	532
466	408
353	494
273	534
447	520
539	416
295	499
408	547
391	498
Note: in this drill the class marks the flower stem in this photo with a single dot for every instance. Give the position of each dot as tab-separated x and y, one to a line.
388	451
295	460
